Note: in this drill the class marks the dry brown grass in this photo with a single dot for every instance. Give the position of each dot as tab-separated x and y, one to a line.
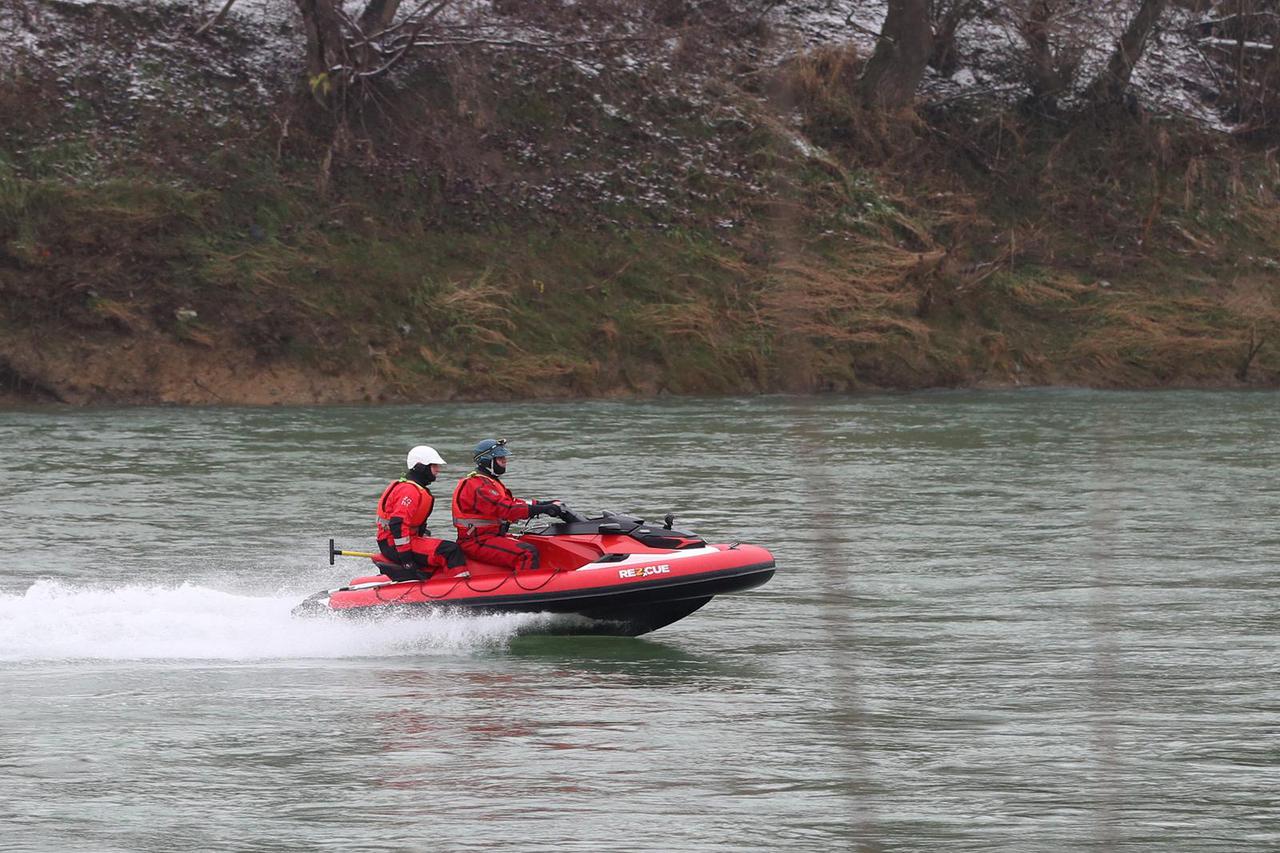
1058	290
846	322
869	300
1170	338
471	310
699	320
124	317
813	77
1256	302
471	299
822	84
269	265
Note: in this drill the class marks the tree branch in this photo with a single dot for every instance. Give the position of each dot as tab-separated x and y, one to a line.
216	19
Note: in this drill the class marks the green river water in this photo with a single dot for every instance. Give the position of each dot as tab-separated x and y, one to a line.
1037	620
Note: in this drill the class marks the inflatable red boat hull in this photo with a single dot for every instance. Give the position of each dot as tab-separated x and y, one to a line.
595	581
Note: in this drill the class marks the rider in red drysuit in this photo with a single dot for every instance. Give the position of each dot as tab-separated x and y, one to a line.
483	509
403	511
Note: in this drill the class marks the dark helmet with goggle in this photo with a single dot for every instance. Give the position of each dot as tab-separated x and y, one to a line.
488	451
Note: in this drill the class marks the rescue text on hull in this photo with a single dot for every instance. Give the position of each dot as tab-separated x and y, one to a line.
612	574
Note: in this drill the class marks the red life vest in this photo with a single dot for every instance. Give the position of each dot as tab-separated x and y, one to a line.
409	504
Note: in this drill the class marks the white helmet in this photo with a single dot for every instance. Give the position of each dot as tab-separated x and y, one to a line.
423	455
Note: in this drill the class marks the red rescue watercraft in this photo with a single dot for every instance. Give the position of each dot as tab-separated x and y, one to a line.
614	574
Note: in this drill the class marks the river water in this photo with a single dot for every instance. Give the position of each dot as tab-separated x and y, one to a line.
1039	620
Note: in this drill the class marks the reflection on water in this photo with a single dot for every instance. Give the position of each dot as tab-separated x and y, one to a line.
624	663
614	654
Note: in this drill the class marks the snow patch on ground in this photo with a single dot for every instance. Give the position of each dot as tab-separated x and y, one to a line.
1172	76
608	154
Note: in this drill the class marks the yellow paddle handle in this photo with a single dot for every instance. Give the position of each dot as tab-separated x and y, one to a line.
338	552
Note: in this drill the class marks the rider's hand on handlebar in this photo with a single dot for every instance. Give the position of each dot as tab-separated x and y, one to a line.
552	508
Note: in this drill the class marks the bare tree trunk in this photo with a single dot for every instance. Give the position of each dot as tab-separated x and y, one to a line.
947	19
1111	83
901	56
326	48
1044	76
377	15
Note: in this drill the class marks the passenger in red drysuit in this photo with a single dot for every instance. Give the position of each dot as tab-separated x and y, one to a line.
403	511
483	509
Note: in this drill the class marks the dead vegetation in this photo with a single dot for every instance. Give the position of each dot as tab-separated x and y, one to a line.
516	227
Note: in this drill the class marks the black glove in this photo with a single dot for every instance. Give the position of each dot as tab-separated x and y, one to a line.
546	508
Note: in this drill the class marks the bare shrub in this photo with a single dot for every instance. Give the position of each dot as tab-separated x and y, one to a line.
1240	39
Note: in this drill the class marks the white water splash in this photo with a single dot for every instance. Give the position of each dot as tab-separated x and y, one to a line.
57	621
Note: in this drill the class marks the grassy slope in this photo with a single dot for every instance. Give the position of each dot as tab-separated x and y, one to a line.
1118	252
